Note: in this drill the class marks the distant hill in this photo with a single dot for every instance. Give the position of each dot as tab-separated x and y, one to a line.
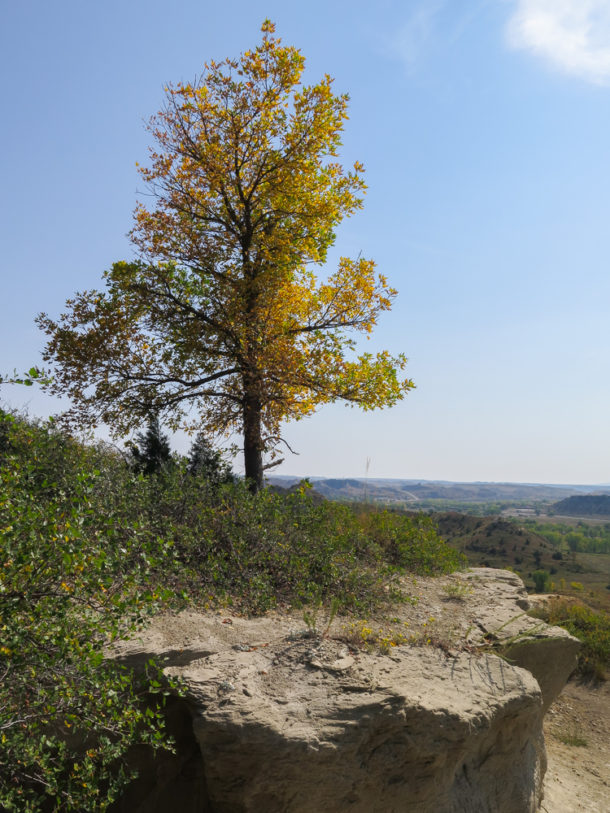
586	505
414	491
496	542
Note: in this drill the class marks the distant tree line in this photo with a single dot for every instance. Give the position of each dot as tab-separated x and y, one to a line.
581	538
585	505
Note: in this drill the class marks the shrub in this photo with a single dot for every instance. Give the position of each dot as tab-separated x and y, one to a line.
67	716
541	580
90	549
258	550
590	627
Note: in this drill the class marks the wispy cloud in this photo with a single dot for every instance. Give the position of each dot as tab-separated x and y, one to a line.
572	35
412	39
431	26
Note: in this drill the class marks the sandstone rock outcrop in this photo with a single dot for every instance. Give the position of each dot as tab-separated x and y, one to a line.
286	720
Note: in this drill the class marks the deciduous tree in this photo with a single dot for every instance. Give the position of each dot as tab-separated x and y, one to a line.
221	324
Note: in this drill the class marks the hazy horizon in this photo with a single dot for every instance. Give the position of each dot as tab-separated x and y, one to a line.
435	480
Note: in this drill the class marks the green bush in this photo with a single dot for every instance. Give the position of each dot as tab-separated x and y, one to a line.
541	580
90	549
67	716
593	629
590	627
255	551
409	542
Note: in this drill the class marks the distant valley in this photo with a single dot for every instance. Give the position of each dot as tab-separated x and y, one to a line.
421	492
561	531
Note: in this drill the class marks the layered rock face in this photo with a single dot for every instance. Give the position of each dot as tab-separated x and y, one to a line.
290	720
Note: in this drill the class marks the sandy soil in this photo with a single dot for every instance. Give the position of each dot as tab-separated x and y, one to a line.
578	776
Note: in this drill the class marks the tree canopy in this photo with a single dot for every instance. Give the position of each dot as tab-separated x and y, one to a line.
221	323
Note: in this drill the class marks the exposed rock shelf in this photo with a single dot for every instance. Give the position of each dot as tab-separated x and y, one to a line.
287	722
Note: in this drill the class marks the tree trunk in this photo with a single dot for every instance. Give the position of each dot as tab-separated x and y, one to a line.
253	445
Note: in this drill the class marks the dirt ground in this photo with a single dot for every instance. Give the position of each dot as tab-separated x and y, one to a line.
577	732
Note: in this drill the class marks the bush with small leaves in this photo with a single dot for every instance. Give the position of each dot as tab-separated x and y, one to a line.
68	585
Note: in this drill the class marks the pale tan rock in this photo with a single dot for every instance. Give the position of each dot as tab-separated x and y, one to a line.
549	653
290	722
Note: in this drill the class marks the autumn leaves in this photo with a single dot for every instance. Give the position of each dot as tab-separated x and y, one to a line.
221	322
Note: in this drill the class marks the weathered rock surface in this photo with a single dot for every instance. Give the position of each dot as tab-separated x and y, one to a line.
290	722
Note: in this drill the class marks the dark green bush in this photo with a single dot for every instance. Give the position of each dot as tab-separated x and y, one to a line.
150	451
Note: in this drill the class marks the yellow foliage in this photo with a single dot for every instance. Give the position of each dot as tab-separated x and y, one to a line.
223	314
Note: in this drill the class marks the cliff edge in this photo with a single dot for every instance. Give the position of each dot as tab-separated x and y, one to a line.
436	709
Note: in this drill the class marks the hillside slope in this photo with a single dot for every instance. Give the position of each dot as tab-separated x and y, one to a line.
495	542
585	505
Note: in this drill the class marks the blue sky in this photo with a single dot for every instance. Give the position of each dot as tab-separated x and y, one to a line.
484	126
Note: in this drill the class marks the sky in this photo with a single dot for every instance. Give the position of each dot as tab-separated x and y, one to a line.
484	127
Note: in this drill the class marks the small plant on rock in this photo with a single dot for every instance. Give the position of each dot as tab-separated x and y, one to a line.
457	591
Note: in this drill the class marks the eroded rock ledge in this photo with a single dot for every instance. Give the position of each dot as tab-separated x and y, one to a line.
284	721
